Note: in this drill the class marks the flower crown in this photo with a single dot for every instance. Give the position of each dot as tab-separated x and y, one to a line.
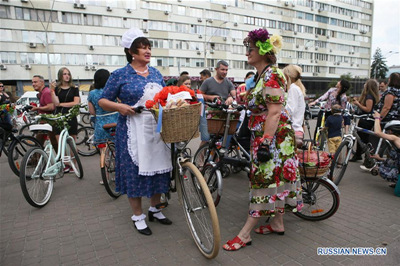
264	41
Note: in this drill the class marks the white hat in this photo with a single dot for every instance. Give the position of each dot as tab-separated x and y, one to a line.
130	36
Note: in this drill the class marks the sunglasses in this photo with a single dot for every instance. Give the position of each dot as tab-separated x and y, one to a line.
250	49
1	86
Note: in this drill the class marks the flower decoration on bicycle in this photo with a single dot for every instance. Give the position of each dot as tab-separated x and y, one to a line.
60	120
7	108
313	163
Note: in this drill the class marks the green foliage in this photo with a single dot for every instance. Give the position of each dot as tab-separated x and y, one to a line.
378	66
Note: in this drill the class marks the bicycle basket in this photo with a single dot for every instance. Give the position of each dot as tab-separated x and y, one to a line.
180	124
313	163
216	120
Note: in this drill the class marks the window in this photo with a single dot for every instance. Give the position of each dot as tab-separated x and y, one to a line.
112	22
38	37
95	60
94	40
40	58
320	31
75	59
73	38
91	20
115	60
35	14
6	35
71	18
112	40
196	62
130	23
321	19
196	13
8	58
183	62
180	10
5	12
156	6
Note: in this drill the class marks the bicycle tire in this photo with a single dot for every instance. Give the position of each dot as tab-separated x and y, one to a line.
84	145
36	189
337	168
213	177
199	209
233	152
18	149
108	171
86	119
213	156
70	150
319	195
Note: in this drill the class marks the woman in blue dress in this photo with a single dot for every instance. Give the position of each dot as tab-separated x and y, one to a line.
143	161
102	117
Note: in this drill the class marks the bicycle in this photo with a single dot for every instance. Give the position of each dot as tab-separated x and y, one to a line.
41	167
342	154
107	162
85	141
321	138
194	194
213	158
15	147
321	197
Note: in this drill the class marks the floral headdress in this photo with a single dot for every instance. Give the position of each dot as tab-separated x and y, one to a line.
265	42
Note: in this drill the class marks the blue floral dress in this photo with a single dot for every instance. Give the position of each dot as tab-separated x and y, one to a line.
275	184
102	117
128	86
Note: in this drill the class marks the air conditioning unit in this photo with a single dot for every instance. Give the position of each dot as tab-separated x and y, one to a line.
200	36
109	8
198	52
315	61
24	1
297	46
225	6
166	12
327	37
199	20
233	39
128	10
211	69
76	5
91	47
3	67
224	38
316	48
145	31
28	67
87	68
295	32
316	35
293	4
330	50
352	64
358	65
320	10
83	6
211	51
286	3
235	24
93	68
351	17
32	45
306	48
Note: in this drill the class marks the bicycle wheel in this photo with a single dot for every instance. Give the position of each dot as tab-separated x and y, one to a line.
36	187
321	199
70	150
340	162
322	142
84	141
19	146
108	171
233	152
199	210
213	177
86	118
204	155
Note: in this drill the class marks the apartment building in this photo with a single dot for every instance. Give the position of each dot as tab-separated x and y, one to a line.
326	38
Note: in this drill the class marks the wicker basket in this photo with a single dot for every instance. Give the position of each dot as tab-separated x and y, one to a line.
312	171
217	125
180	124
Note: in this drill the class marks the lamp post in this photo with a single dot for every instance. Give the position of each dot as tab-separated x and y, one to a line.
207	41
388	54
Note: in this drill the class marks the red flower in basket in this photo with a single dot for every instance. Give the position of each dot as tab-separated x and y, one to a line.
161	97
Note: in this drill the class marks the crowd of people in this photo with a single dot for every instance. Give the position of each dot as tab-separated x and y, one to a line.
143	162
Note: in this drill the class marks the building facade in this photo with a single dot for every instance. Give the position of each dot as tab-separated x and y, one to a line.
326	38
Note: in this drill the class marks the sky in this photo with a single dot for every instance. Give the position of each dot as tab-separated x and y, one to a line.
386	30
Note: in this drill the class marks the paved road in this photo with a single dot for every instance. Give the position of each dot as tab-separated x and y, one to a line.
82	225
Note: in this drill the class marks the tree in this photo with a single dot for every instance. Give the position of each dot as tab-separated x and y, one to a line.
343	76
378	66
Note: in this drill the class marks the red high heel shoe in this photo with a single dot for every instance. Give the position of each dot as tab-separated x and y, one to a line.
230	245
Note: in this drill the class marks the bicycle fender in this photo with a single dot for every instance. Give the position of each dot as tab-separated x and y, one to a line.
331	183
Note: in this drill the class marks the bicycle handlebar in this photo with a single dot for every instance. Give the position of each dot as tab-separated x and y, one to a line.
226	108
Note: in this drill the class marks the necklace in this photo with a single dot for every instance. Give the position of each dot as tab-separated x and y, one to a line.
142	72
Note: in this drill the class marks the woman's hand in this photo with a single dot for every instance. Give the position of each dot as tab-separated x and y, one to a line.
53	85
312	103
356	102
377	115
125	109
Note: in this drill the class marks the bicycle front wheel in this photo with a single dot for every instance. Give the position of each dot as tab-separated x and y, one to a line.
70	150
108	171
213	178
322	141
200	211
18	149
85	141
320	198
36	187
340	162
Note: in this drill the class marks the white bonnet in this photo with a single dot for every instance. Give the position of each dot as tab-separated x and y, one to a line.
130	36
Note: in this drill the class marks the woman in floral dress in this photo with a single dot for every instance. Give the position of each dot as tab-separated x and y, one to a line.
142	161
274	179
